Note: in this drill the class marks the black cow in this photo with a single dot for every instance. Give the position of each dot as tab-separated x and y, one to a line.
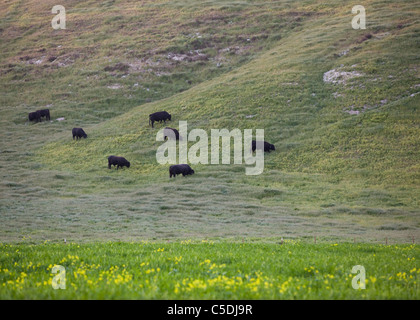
167	134
183	169
34	116
267	146
45	113
117	161
159	116
79	133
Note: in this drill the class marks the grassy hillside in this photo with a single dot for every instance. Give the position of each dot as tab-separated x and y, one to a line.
340	105
114	55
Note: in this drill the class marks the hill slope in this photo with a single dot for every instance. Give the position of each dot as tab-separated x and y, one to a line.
341	106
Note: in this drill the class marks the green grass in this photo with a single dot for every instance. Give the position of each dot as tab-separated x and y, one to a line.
209	270
333	173
346	164
141	38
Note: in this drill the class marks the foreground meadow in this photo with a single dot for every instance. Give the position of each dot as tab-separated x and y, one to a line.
209	270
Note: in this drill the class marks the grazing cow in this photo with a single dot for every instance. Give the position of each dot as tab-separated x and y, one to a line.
79	133
167	133
183	169
159	116
34	116
117	161
267	146
45	113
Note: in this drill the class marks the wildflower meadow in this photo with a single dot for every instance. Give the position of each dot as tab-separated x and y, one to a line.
209	270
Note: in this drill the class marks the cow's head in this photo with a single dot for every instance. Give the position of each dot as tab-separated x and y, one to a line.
128	164
272	147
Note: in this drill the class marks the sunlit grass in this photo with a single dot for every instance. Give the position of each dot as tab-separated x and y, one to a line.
209	270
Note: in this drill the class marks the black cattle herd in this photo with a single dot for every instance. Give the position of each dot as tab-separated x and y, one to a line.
39	114
119	162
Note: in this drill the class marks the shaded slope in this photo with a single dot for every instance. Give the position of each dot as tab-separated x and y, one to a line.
347	154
